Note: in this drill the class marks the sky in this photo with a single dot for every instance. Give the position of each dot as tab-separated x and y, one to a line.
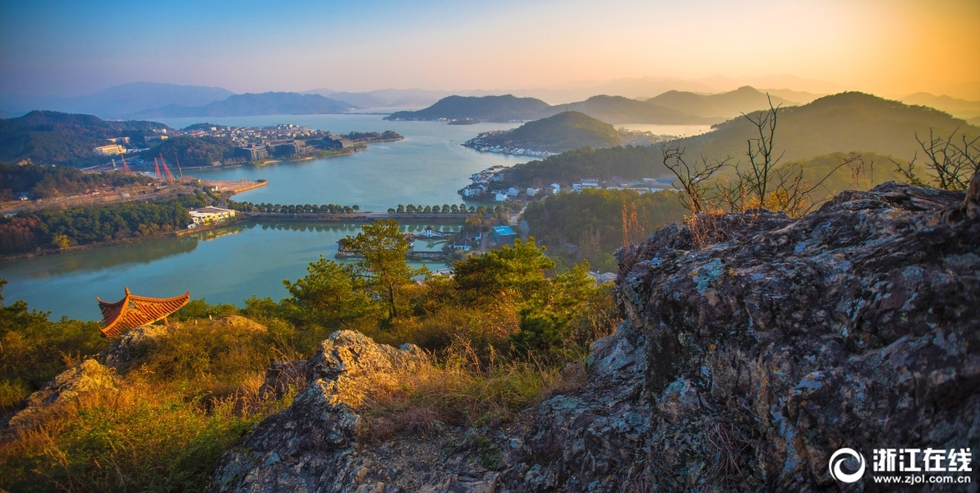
888	47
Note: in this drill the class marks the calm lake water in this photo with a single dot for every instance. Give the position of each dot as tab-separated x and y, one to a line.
232	264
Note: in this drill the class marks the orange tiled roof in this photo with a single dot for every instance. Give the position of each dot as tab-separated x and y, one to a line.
135	311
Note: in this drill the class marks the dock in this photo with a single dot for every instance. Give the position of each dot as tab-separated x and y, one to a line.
235	187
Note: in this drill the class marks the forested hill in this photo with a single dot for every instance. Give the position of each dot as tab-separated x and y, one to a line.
489	108
610	109
845	122
49	137
725	105
562	132
267	103
842	123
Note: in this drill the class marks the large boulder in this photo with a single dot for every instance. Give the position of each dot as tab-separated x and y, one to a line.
313	445
83	378
855	326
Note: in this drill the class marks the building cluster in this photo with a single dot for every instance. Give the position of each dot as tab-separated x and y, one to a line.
494	184
485	143
249	136
277	148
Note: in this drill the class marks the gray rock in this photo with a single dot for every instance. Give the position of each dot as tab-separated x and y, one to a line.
312	446
88	376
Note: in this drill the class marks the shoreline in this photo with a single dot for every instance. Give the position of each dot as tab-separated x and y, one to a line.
259	218
125	241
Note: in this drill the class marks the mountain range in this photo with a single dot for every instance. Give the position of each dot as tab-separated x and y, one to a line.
671	108
840	123
128	100
724	106
845	122
959	108
267	103
117	101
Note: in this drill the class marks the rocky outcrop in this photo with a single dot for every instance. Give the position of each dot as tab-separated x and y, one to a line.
132	346
313	445
87	376
740	366
855	326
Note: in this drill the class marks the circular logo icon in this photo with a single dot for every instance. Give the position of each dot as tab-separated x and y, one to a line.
838	458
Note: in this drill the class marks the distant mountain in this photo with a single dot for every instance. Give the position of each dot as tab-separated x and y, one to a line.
268	103
617	109
646	87
801	97
488	108
119	100
611	109
562	132
720	83
959	108
387	98
841	123
48	137
720	106
974	121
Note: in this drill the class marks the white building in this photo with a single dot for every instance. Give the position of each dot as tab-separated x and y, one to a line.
210	215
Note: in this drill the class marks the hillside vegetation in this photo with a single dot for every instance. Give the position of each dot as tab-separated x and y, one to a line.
562	132
48	137
593	221
42	182
191	151
170	403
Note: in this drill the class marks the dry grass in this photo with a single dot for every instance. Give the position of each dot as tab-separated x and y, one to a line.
705	228
159	426
463	391
139	436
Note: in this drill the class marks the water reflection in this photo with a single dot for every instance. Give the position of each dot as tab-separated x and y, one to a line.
225	265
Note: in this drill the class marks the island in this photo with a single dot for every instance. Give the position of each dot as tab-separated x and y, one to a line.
559	133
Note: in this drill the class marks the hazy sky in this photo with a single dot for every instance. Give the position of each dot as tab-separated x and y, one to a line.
890	47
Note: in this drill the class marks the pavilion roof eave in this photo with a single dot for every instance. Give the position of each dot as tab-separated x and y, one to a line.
134	311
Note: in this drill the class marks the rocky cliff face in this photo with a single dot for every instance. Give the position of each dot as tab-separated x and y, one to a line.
855	326
741	366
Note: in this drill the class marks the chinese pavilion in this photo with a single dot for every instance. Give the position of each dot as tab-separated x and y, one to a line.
135	311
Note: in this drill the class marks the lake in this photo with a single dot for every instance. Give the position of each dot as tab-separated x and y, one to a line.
232	264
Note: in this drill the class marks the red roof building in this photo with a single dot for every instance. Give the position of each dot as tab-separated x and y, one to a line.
136	311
